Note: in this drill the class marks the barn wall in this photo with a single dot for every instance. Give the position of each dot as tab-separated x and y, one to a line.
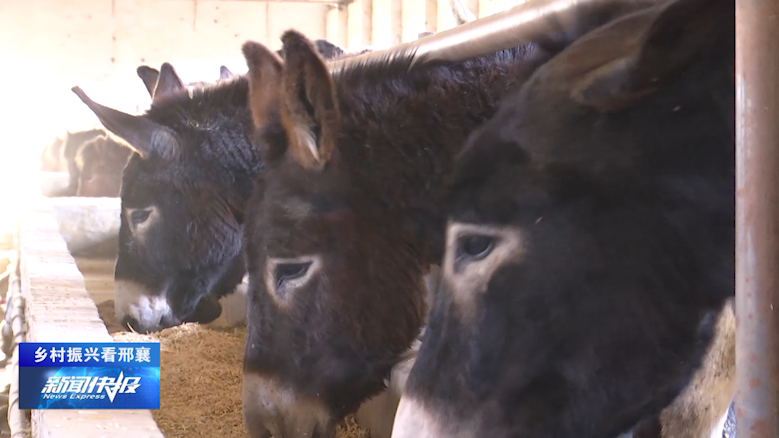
48	46
337	25
383	23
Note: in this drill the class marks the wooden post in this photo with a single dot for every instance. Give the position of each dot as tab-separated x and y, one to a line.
473	5
397	22
419	16
359	24
489	7
445	19
337	26
387	26
486	7
431	16
413	17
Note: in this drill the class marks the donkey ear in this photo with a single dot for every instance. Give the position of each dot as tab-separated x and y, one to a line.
149	77
264	81
328	50
142	135
679	31
264	84
167	82
225	73
309	106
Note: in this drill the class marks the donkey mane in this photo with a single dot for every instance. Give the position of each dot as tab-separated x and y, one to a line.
421	103
398	67
203	102
400	130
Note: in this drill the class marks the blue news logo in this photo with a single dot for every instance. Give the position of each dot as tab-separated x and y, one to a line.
83	387
89	376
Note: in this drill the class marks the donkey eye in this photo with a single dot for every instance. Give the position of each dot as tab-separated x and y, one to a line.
139	216
475	247
290	271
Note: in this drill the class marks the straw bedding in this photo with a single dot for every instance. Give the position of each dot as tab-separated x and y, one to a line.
200	379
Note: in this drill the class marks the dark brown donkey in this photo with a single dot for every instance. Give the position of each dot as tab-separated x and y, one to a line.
99	163
343	223
590	240
183	193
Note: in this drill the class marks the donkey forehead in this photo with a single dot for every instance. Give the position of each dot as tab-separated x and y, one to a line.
298	208
143	188
181	115
295	208
304	192
297	224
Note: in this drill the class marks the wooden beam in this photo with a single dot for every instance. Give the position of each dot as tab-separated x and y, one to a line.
359	28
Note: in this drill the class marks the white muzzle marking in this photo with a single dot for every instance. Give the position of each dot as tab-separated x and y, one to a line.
134	300
269	405
413	421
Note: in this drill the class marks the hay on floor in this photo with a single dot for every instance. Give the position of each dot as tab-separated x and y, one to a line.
106	312
200	379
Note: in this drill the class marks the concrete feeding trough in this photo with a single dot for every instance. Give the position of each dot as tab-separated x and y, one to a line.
90	226
53	184
49	302
66	251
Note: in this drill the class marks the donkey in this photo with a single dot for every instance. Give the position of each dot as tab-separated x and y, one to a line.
100	162
343	221
590	241
183	193
326	49
150	76
72	143
51	157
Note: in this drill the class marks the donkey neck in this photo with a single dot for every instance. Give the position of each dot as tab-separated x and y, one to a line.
401	130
